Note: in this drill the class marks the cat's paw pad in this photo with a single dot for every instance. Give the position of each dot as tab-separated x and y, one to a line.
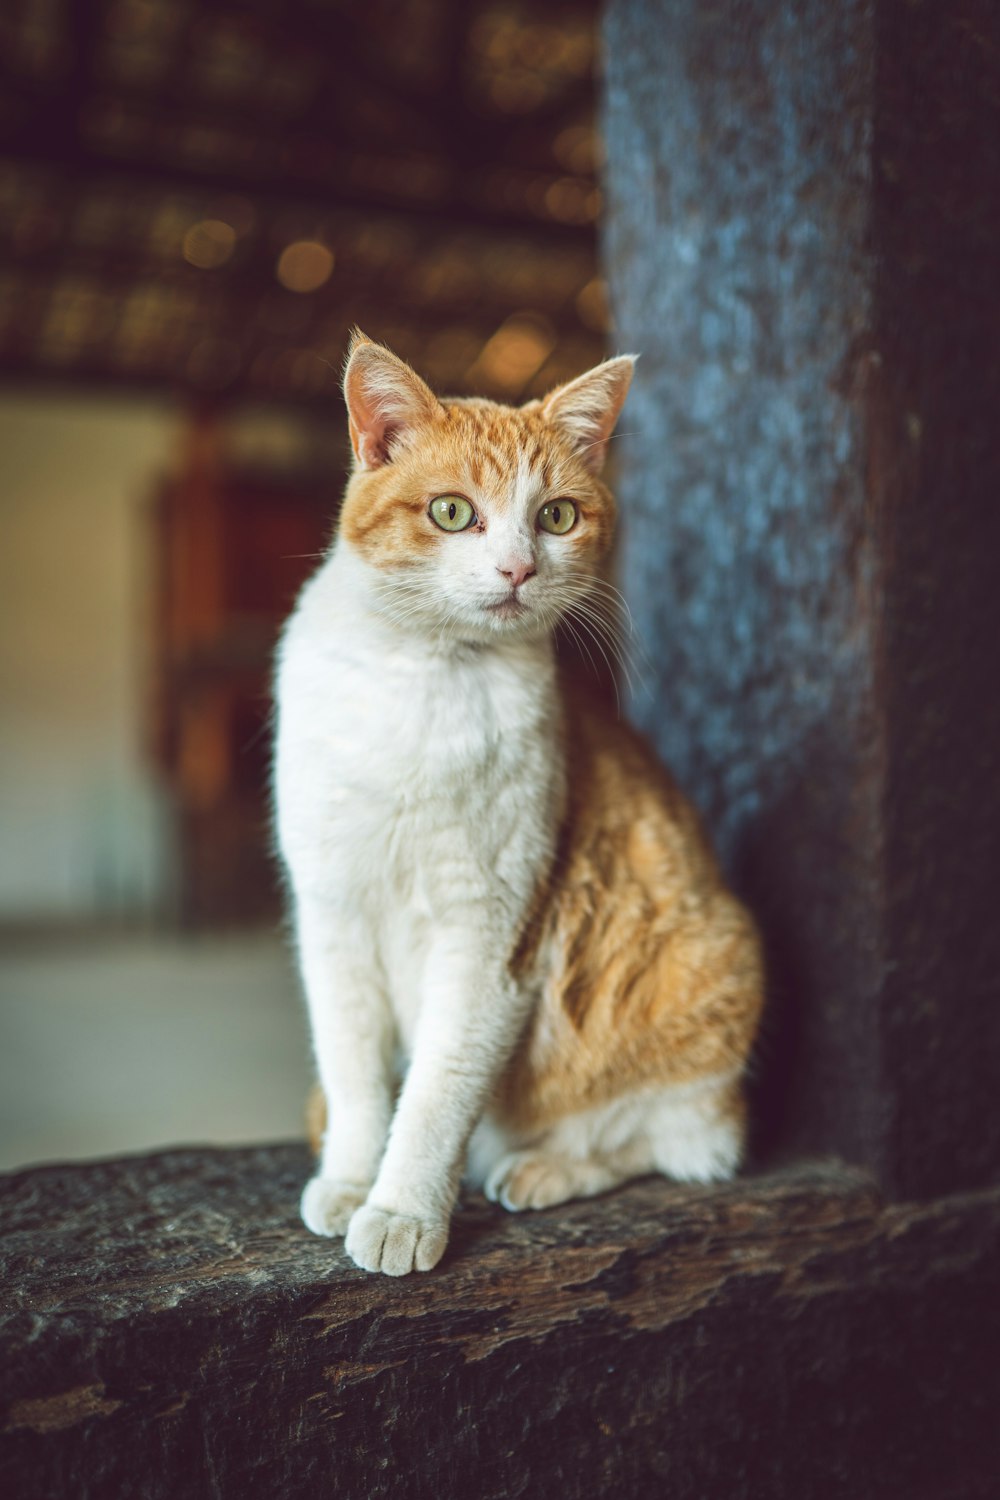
328	1205
529	1179
396	1244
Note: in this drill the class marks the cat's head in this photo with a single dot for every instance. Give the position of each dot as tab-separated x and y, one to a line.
478	519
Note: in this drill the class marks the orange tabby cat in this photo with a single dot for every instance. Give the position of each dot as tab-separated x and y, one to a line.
493	878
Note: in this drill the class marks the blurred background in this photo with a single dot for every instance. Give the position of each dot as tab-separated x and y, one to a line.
197	202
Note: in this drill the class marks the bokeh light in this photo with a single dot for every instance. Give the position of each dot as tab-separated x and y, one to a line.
516	351
304	266
209	244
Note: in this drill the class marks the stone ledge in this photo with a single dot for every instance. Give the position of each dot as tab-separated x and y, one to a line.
169	1329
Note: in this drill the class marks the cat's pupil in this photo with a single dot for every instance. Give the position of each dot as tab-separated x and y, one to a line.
452	510
555	514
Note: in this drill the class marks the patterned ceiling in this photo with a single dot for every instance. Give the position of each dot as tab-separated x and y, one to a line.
205	197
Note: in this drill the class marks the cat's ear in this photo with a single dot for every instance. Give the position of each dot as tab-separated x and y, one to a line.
586	409
385	400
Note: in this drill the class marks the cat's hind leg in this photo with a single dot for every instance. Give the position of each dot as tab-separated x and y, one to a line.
691	1132
578	1157
697	1131
540	1178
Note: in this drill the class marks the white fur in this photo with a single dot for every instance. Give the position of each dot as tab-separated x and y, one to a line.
418	799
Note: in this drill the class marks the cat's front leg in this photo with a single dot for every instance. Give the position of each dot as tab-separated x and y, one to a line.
470	1019
352	1035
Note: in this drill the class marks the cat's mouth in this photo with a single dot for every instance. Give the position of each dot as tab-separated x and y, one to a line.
508	608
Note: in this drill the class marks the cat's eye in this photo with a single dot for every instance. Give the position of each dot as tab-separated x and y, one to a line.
452	512
558	516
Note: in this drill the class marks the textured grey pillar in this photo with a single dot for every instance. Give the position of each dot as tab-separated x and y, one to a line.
803	242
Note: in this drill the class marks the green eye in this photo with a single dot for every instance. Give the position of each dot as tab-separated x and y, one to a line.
559	516
452	512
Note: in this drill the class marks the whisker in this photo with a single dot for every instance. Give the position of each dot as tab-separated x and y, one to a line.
595	637
581	643
606	629
614	645
607	601
598	441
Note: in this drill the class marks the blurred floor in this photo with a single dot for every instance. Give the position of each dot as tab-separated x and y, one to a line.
122	1044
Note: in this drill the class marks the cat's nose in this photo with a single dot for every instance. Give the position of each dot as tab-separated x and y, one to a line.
516	573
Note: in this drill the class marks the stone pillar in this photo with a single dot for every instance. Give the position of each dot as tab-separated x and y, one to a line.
803	242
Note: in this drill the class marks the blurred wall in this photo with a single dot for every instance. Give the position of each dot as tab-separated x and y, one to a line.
82	830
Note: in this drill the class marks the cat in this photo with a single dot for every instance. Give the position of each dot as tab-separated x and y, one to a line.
499	895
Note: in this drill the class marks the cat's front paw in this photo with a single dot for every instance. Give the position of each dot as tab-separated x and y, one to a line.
328	1205
396	1244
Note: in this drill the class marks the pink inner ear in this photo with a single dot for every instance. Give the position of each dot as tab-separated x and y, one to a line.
385	399
372	443
587	408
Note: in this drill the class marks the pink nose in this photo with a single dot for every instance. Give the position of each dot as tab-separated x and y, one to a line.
517	573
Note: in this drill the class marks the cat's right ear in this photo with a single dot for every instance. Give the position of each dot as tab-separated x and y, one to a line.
385	400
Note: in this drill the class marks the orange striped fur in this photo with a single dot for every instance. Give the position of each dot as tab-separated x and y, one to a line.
650	971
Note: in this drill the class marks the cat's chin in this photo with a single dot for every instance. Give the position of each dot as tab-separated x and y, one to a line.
507	610
509	619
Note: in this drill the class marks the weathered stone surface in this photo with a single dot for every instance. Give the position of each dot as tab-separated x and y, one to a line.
802	240
169	1329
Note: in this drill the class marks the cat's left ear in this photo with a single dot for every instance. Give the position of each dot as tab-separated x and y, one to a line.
587	408
385	401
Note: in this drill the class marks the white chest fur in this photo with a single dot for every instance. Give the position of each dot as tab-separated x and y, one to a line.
418	782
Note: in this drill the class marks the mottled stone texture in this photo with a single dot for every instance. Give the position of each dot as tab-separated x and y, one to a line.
169	1330
803	241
